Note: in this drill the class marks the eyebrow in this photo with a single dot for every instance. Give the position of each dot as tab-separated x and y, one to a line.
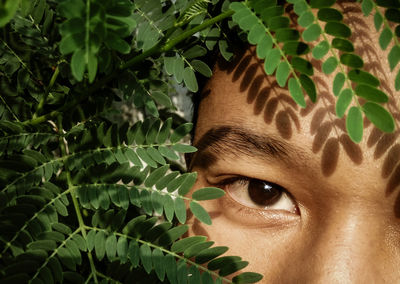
238	141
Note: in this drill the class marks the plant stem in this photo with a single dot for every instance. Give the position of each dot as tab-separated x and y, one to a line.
47	91
82	226
8	108
163	46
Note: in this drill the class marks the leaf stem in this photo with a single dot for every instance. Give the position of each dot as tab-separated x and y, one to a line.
9	108
47	91
82	226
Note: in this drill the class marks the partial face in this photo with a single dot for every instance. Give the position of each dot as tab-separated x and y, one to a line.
303	203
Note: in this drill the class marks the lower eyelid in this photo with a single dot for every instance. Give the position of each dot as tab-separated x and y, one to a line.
257	218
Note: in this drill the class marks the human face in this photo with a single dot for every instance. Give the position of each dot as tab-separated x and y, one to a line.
303	203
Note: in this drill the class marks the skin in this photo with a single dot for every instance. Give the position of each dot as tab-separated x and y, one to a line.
340	222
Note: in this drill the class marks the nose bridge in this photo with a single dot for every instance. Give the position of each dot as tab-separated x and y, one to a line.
345	248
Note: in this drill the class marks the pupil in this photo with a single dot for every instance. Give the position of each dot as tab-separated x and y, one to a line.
263	193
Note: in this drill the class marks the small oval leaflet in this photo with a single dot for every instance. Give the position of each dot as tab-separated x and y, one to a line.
200	213
379	116
354	124
208	193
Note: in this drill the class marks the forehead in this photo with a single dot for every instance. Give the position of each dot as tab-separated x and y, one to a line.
240	94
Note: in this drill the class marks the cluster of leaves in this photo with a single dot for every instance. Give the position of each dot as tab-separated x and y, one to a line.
283	49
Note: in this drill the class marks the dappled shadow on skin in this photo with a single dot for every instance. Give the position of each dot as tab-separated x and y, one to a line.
330	156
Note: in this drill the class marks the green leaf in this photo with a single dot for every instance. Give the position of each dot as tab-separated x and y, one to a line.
272	60
379	116
155	155
306	19
296	92
351	60
100	244
371	93
181	245
180	210
330	65
111	247
295	48
247	277
320	50
172	235
309	86
133	253
180	132
7	11
232	267
342	44
195	51
256	34
66	258
354	124
282	73
169	64
122	249
201	67
225	49
158	263
190	79
145	257
196	249
164	131
337	29
178	69
183	148
200	213
397	81
208	193
360	76
338	83
156	175
321	3
284	35
188	183
116	43
146	158
385	38
366	7
162	98
264	47
209	254
394	56
329	15
312	33
343	102
276	23
378	20
78	64
302	65
222	261
162	182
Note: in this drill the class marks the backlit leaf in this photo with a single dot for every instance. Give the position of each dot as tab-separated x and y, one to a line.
282	73
385	38
354	124
330	65
371	93
343	102
200	213
338	83
296	92
379	116
320	50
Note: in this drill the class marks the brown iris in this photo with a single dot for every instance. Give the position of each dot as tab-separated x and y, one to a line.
263	193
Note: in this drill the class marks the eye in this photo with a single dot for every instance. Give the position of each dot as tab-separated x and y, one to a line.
255	193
